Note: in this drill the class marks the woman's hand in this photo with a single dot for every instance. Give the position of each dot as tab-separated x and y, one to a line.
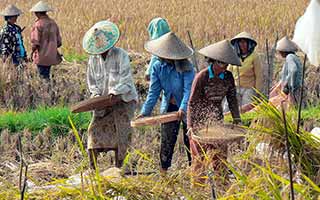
181	114
140	116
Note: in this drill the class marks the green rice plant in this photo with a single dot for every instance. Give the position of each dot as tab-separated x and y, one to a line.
303	145
36	120
261	182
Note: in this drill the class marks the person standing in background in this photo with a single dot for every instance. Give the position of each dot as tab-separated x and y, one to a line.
290	82
11	41
45	40
250	75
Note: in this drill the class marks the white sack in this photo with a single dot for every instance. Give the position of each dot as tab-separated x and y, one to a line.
307	32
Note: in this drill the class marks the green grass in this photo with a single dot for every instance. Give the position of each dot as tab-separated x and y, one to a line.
57	119
36	120
307	114
71	57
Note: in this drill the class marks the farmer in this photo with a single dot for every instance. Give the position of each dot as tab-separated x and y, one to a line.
109	74
11	41
172	74
291	74
45	40
251	71
210	86
157	27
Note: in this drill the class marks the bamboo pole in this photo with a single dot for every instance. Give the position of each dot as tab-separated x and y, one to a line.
24	183
212	184
269	68
194	57
288	151
301	94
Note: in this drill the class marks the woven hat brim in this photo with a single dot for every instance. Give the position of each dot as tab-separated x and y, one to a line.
169	46
221	51
245	36
42	10
286	45
89	40
168	55
15	12
233	41
10	15
41	7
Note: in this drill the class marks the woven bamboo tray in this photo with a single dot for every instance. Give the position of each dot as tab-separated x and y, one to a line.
220	134
96	103
155	120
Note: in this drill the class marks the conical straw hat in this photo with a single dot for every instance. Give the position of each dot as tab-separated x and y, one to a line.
221	51
11	10
41	6
286	45
243	35
101	37
169	46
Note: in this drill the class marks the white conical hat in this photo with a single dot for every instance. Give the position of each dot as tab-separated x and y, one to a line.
11	10
243	35
286	45
41	6
221	51
169	46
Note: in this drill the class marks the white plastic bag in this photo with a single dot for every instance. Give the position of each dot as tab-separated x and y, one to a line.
307	32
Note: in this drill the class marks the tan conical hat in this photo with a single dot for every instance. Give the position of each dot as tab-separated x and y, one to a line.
243	35
41	6
11	10
169	46
286	45
221	51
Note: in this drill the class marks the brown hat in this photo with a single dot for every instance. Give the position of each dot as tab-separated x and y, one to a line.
243	35
286	45
169	46
11	10
221	51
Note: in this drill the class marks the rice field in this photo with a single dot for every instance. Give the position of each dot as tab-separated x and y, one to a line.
208	20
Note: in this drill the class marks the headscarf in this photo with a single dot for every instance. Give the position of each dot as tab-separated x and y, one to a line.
251	46
156	28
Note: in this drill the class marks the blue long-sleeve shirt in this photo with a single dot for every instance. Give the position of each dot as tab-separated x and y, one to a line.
164	77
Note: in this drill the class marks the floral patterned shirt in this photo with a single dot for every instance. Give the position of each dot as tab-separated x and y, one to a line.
11	42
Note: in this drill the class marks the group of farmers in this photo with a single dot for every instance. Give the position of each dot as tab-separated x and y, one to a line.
45	39
200	98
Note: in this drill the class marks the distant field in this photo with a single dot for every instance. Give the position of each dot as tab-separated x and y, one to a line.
208	20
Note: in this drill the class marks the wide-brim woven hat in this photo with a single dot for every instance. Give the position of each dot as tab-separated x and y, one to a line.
221	51
286	45
101	37
243	35
11	10
41	6
169	46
